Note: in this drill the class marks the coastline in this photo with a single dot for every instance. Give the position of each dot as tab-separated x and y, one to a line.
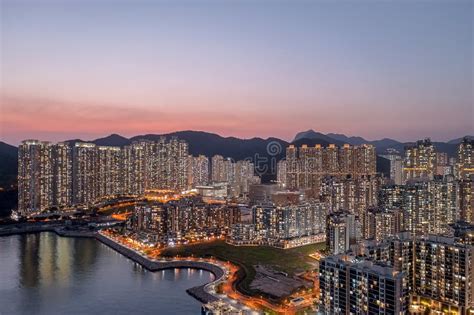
199	292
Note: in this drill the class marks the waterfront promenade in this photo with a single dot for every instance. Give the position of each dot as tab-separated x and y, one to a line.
203	293
198	292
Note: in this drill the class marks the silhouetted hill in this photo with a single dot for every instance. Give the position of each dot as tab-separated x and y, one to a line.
210	144
337	138
113	140
8	164
459	140
8	201
450	149
381	145
385	143
8	178
383	166
263	152
346	139
311	134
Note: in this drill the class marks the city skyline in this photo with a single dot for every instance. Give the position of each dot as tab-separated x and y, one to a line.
237	157
75	70
379	236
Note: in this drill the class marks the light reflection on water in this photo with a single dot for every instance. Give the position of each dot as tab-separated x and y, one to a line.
47	274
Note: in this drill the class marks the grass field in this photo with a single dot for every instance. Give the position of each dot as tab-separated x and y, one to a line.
287	260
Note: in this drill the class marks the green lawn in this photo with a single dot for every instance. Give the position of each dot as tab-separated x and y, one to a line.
287	260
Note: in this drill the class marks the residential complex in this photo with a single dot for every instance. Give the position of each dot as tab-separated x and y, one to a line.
64	175
420	161
282	225
185	219
438	270
238	175
396	245
306	166
465	160
349	286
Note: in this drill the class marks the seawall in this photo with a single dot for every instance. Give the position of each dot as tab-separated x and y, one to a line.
198	292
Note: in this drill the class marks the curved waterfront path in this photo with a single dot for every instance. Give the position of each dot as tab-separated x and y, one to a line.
204	293
198	292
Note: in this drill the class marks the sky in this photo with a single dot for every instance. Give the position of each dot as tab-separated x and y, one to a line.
261	68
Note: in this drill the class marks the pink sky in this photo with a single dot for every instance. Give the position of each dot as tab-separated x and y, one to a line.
86	69
61	120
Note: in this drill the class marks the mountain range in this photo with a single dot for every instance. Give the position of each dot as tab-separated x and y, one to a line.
210	144
257	149
8	164
381	145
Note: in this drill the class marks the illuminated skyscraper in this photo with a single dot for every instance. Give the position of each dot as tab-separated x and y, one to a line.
265	219
354	195
445	194
292	168
84	173
382	223
199	170
391	196
158	165
465	164
177	158
365	160
281	173
348	286
109	160
439	270
330	160
420	161
444	274
228	170
62	156
466	200
298	220
244	177
346	159
134	168
35	176
310	167
431	206
340	232
218	172
65	174
307	166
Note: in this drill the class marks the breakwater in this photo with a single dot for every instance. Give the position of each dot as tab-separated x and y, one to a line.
198	292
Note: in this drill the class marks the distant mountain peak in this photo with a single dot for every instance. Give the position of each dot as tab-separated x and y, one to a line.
114	139
459	140
338	138
346	139
311	134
